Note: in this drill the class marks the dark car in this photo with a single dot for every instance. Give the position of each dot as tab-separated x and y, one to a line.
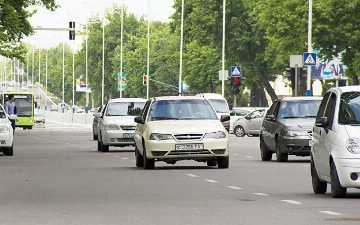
95	122
287	128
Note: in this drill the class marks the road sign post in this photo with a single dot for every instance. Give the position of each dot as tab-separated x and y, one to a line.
309	59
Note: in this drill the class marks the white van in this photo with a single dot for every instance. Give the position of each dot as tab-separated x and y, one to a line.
220	105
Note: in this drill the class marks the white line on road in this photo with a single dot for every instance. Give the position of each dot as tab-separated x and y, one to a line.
331	213
125	158
292	202
234	187
260	194
235	154
116	156
248	156
211	181
50	141
67	143
191	175
108	153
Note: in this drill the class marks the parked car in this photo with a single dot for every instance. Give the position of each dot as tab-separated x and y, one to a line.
95	122
287	127
335	153
39	118
116	126
249	124
6	133
181	128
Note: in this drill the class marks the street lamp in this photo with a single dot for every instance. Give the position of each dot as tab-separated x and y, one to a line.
308	90
181	43
63	73
121	47
223	50
148	53
73	73
39	72
103	61
32	74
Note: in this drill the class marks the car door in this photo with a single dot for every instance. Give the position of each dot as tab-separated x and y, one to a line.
101	123
269	126
138	136
253	123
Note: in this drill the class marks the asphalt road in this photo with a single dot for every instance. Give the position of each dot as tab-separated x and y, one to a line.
57	176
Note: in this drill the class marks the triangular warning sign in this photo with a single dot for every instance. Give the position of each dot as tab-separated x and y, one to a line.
236	71
310	60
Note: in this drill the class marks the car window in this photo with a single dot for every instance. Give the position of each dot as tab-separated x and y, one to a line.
220	105
349	109
299	108
257	113
145	110
272	108
182	109
239	112
330	110
322	106
124	108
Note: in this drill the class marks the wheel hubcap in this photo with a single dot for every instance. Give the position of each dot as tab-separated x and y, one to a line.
240	131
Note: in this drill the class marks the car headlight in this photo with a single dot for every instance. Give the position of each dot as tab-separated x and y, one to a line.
353	145
112	126
4	129
159	137
216	135
293	133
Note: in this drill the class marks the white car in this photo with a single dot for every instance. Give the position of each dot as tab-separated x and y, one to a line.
249	124
236	113
6	133
181	128
335	150
116	126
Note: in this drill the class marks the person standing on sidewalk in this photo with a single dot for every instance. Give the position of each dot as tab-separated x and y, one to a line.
10	108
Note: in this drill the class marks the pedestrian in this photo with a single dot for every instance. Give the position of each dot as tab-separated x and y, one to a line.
10	109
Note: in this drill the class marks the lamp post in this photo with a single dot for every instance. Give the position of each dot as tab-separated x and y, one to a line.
103	61
27	67
223	50
308	89
121	47
46	78
32	74
63	73
39	72
73	73
86	67
148	54
181	44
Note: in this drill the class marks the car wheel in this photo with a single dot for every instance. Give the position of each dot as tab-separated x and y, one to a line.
9	151
139	159
223	162
95	137
211	162
103	148
266	155
280	157
98	145
149	164
239	131
337	191
319	187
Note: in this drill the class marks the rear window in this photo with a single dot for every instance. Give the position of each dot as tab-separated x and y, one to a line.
124	108
220	105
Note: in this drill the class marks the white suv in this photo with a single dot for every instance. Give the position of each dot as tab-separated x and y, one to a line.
335	151
116	124
180	128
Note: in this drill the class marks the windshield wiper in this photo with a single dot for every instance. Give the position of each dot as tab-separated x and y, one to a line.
310	116
350	122
289	117
163	118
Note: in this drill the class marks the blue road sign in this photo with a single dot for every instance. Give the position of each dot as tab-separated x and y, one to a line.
236	71
309	59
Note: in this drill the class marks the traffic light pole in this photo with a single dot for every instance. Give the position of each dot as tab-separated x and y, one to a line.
296	80
234	105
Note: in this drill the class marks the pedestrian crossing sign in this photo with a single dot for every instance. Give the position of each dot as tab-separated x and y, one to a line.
236	71
309	59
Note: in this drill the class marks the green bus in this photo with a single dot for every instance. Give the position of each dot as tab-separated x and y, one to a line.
25	105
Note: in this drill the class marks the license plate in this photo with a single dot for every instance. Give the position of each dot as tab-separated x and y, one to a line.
186	147
131	135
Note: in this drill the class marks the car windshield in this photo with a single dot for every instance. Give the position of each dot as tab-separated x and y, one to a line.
300	108
24	105
124	108
182	109
220	105
38	115
349	111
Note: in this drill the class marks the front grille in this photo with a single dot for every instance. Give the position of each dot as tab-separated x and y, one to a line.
187	137
127	127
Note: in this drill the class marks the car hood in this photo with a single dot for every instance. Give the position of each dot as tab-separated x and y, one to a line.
185	126
353	130
298	123
4	121
121	120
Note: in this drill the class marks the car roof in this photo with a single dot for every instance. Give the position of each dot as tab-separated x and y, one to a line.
346	88
128	100
210	95
176	97
301	98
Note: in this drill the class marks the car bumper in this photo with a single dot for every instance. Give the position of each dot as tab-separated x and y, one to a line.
345	168
6	140
165	149
298	145
117	138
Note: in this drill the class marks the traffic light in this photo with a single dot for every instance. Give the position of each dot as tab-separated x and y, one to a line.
291	74
303	73
236	83
72	32
144	79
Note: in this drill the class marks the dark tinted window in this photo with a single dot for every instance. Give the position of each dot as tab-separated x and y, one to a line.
349	110
330	109
323	105
272	108
124	108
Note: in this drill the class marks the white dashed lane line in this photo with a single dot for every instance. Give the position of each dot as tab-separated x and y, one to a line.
116	156
191	175
235	154
234	187
211	181
292	202
125	158
331	213
260	194
250	157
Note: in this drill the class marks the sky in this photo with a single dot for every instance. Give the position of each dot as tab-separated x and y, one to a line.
79	10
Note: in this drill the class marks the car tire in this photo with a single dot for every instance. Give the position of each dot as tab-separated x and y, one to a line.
337	191
223	162
280	157
239	131
211	162
103	148
9	151
138	158
98	145
148	164
319	187
266	155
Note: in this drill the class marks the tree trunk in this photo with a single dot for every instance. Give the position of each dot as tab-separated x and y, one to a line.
266	84
258	96
355	80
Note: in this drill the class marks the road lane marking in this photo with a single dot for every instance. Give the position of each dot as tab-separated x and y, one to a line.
235	154
211	181
50	141
108	153
116	156
191	175
234	187
67	143
260	194
125	158
248	156
292	202
331	213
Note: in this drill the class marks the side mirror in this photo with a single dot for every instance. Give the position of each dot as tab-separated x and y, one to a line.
13	117
138	119
96	115
247	117
322	122
224	118
270	117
